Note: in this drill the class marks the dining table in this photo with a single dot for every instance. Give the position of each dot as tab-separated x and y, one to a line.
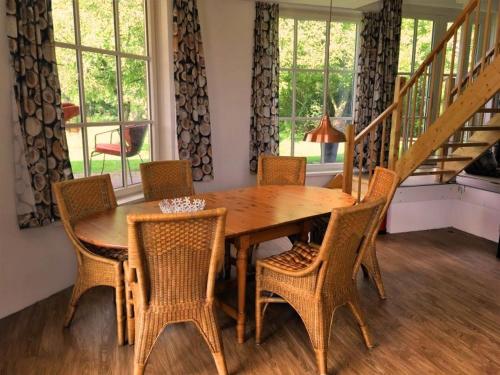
254	215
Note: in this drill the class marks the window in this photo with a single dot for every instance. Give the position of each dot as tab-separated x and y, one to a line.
302	71
104	68
415	44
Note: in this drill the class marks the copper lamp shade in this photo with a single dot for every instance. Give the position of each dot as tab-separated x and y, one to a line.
325	133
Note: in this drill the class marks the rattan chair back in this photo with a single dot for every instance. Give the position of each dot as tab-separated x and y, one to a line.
382	185
281	170
166	179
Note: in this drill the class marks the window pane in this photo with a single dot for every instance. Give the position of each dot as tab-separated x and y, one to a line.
68	78
97	24
424	41
311	42
285	95
286	42
406	45
309	94
333	152
341	94
135	90
132	26
101	102
311	150
138	148
62	18
74	138
342	45
285	138
104	147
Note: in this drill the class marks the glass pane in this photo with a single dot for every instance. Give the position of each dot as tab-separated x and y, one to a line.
424	41
311	42
62	18
309	94
342	45
104	147
138	146
311	150
285	94
286	42
135	90
406	45
340	99
101	102
67	69
285	138
74	138
132	26
97	24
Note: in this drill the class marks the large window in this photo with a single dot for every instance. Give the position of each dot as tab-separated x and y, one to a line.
302	70
104	68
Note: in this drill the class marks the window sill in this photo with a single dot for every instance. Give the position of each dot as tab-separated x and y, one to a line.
316	170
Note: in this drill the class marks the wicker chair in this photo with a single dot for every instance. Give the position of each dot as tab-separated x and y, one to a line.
317	280
77	199
383	184
166	179
281	170
173	262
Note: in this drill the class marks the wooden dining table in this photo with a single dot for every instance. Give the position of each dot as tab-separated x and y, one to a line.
254	215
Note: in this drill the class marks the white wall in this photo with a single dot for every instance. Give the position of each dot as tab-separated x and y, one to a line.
439	206
34	263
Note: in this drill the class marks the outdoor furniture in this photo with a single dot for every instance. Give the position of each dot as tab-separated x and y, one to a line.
134	136
255	214
281	170
315	281
173	262
166	179
77	200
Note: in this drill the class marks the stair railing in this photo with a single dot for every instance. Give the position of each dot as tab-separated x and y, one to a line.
447	71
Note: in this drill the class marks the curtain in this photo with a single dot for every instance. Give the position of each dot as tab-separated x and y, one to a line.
40	149
377	70
190	77
264	132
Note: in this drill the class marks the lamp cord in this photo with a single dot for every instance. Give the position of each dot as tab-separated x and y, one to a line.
327	71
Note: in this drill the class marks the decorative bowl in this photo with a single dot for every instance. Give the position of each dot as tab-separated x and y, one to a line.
185	204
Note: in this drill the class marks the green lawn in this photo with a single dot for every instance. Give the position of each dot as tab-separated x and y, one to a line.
110	166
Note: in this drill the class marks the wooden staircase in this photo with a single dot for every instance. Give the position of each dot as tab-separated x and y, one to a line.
444	116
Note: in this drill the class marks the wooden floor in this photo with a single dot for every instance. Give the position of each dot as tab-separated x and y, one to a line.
442	317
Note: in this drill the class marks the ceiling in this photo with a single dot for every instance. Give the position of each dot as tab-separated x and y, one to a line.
369	4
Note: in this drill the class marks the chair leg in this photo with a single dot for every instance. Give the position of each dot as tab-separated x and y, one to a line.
78	290
129	170
129	302
370	265
211	332
120	316
321	361
145	340
355	308
258	314
103	163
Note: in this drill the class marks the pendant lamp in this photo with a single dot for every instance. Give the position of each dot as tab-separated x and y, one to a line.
325	132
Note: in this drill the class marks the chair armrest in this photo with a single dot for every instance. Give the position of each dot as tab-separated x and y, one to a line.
110	132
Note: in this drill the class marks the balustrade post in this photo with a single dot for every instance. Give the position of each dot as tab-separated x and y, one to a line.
348	159
397	118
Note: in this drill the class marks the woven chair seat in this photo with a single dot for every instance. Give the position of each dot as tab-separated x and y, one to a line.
115	254
300	256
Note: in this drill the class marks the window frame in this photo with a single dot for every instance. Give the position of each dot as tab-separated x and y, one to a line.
149	58
301	14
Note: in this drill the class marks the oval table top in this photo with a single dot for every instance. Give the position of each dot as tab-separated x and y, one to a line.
249	209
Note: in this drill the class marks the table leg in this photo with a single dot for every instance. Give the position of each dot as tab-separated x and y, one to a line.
243	246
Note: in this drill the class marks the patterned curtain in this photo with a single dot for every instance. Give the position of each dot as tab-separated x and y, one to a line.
264	132
41	153
193	116
377	70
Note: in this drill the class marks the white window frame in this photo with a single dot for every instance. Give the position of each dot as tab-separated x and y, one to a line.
79	49
299	14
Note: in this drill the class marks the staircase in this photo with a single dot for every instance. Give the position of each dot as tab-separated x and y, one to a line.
444	116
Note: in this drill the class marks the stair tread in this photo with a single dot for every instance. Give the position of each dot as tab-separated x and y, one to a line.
489	110
465	144
480	128
431	171
448	158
